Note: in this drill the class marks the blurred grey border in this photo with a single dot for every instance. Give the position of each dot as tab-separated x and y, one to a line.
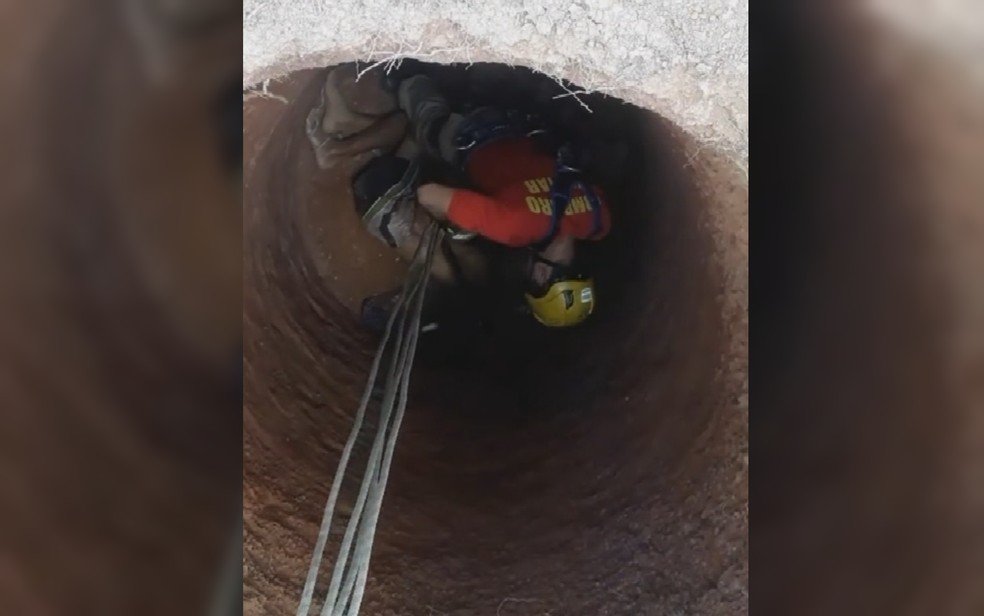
867	308
120	373
120	308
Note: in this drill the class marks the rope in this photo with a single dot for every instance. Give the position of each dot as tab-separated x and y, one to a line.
351	567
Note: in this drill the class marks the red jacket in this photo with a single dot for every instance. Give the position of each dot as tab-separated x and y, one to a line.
513	207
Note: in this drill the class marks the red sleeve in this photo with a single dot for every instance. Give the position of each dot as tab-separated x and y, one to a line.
476	212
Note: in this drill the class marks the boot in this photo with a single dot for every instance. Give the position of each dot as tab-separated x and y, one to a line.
427	110
384	198
376	310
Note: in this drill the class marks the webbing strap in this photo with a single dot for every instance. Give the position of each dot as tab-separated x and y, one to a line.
480	130
565	181
486	124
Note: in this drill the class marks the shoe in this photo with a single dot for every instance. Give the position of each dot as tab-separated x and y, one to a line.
426	108
375	311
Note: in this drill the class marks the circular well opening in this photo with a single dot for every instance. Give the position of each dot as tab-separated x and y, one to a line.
542	471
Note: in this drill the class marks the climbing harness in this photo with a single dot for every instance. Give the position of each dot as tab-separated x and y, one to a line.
351	567
486	125
568	178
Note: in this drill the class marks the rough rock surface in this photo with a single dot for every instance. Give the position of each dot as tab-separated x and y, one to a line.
684	60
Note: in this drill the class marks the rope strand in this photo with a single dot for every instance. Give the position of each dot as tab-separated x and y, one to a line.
350	570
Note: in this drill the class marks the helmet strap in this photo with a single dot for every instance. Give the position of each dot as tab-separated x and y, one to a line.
538	256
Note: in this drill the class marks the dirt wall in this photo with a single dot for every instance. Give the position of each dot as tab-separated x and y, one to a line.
584	472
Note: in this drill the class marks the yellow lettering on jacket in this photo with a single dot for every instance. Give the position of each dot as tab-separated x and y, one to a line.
543	205
537	186
577	205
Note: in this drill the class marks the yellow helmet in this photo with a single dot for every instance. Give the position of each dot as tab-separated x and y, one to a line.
566	302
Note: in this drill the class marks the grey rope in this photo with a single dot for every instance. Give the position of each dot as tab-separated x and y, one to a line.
347	586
